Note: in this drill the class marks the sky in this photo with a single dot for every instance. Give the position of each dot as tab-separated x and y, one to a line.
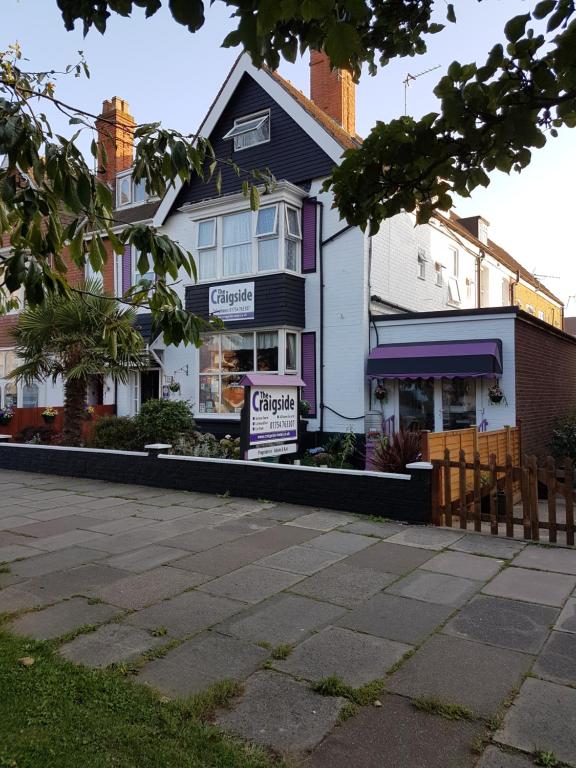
167	74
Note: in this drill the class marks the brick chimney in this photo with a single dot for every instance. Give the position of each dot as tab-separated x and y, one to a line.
333	90
115	127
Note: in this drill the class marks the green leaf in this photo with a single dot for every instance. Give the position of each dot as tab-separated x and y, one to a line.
516	27
450	14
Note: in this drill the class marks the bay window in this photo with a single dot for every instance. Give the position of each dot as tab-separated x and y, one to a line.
249	242
224	358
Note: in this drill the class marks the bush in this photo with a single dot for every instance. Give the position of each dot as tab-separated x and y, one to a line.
163	421
37	435
393	455
206	445
564	439
115	432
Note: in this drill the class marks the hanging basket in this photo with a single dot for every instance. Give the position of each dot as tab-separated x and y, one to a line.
495	393
381	393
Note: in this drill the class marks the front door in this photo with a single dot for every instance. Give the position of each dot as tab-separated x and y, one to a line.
149	385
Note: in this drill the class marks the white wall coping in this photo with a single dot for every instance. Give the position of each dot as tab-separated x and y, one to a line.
291	467
420	465
72	448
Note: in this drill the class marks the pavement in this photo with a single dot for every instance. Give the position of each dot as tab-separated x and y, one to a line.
472	638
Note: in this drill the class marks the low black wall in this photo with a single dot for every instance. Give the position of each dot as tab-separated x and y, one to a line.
358	492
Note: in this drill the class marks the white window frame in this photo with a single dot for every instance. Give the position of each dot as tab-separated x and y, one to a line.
293	235
454	291
282	332
248	124
214	239
454	261
421	264
439	274
274	231
281	234
127	175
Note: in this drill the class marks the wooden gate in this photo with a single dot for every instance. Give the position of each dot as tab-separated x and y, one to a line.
506	499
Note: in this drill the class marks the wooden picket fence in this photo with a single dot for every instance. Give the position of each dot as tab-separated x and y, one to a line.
500	442
506	499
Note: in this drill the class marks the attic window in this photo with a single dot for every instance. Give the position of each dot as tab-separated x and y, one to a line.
249	131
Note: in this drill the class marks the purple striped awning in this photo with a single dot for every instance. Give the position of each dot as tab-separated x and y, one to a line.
436	359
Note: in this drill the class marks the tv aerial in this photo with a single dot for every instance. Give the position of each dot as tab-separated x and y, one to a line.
408	79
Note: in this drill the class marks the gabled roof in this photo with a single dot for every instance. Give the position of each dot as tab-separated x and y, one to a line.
497	252
329	124
329	136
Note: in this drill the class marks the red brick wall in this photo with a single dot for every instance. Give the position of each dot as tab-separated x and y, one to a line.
333	90
545	381
115	128
7	323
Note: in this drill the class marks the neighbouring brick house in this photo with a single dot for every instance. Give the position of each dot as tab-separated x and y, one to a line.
327	299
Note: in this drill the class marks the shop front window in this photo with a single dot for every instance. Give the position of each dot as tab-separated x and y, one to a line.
224	359
416	400
458	403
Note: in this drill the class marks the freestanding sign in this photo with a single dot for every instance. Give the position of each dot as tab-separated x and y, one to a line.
232	302
269	420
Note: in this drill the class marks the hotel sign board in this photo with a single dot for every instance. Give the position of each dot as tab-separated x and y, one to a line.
270	418
232	302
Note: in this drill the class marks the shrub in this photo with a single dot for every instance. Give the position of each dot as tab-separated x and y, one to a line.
393	455
564	439
163	421
207	445
115	432
37	435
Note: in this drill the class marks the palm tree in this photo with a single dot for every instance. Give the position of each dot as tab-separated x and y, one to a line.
75	337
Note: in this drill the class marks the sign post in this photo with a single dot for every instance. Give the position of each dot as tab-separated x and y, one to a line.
269	422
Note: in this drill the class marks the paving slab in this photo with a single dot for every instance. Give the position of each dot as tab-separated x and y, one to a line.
18	598
8	579
322	521
14	521
120	543
282	713
283	618
467	566
557	661
123	525
233	555
146	558
426	538
489	546
75	581
390	558
49	562
531	586
554	559
68	539
344	584
186	614
543	718
54	527
382	530
112	643
136	591
396	618
301	559
343	543
282	513
506	623
201	539
252	583
496	758
566	622
396	735
151	513
457	671
59	619
356	658
202	661
12	552
437	588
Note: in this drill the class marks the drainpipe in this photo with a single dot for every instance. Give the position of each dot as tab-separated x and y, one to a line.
321	341
479	260
512	286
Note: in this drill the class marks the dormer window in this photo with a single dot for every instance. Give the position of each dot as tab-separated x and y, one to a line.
129	192
250	131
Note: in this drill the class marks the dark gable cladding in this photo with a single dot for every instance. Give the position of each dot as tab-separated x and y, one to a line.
290	154
278	300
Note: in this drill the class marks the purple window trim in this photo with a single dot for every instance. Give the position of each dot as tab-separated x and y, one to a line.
308	352
309	236
127	268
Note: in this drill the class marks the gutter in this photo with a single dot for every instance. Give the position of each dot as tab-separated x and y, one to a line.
321	340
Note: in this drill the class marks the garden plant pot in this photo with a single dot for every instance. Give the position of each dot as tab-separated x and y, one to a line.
48	419
496	398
